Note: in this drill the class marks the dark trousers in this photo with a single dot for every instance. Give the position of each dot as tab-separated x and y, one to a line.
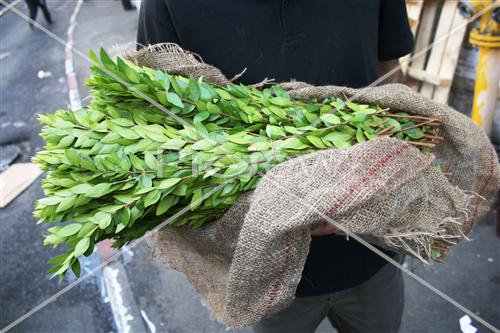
375	306
33	9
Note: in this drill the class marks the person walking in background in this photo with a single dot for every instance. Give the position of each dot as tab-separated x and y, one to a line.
349	43
127	5
33	10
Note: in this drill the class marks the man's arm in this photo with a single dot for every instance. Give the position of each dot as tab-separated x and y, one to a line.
394	38
385	67
155	24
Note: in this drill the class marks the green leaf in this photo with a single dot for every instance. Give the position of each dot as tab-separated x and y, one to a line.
259	146
395	123
204	145
292	130
53	240
330	119
86	230
99	190
165	204
72	155
119	228
201	116
58	260
168	183
224	94
359	135
152	198
151	161
415	133
280	101
86	162
158	137
194	90
102	219
342	144
325	109
106	60
164	78
180	190
293	143
145	190
123	216
127	133
236	169
213	108
90	250
371	136
196	200
123	122
49	201
316	142
174	144
358	117
241	138
277	111
201	130
66	203
132	76
145	181
210	172
436	254
75	267
93	57
69	230
81	188
337	137
82	246
136	162
66	141
174	82
174	99
275	132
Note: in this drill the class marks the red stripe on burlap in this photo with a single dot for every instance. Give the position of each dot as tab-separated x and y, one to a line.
369	176
274	291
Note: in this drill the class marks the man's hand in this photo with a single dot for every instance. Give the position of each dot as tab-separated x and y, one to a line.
323	229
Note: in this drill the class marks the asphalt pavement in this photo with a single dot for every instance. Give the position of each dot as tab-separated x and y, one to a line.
165	299
23	280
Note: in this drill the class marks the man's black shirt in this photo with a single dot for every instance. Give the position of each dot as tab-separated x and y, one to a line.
321	42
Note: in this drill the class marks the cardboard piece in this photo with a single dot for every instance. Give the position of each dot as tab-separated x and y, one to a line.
15	180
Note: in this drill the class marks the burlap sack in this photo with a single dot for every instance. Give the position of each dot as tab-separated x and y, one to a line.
247	264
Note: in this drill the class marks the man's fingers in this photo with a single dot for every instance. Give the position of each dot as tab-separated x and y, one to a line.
322	229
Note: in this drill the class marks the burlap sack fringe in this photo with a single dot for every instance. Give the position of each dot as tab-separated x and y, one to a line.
248	263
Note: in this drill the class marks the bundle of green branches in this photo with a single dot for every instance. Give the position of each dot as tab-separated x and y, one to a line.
151	144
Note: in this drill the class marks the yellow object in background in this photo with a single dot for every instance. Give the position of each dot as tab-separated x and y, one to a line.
487	38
